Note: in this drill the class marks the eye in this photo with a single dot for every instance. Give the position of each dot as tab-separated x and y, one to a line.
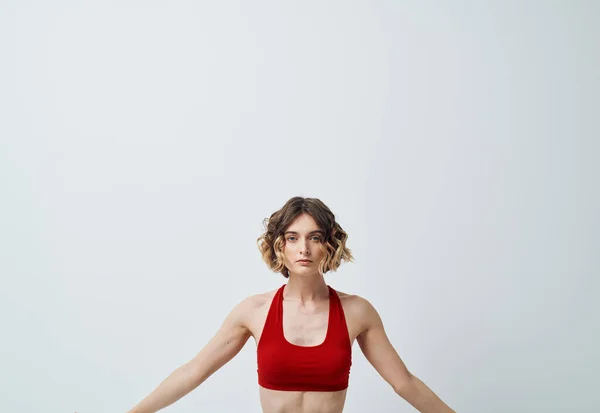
317	238
290	238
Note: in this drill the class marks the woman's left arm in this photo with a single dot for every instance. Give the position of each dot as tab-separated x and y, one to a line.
378	350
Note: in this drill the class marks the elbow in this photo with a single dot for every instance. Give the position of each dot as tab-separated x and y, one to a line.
192	374
404	384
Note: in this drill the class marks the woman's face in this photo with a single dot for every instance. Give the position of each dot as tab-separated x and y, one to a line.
302	248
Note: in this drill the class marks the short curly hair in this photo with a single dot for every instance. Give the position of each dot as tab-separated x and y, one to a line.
272	241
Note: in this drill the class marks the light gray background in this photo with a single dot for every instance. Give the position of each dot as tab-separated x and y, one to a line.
142	144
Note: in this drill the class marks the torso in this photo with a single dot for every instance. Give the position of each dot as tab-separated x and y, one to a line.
303	327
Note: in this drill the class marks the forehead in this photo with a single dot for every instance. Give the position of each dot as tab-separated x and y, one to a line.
304	223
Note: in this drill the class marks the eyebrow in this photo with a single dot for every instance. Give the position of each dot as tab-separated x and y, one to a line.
320	231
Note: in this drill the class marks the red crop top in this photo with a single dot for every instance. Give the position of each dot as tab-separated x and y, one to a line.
286	366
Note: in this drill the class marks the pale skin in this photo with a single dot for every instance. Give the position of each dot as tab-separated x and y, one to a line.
305	315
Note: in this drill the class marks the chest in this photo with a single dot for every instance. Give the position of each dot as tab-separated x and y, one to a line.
305	326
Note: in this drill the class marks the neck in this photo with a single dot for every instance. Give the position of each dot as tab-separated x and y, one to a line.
306	288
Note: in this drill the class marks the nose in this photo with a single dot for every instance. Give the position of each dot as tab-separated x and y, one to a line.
304	250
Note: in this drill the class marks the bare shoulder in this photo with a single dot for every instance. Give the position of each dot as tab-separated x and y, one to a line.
355	303
258	301
360	313
244	309
255	309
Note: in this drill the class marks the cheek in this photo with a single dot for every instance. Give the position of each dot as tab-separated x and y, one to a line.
319	251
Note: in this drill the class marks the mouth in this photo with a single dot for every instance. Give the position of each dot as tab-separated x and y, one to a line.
304	261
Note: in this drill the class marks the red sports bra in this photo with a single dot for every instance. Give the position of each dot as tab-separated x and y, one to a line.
286	366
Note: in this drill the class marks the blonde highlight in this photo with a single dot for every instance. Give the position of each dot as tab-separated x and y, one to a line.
272	241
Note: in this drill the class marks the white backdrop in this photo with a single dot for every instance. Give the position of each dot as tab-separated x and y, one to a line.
143	142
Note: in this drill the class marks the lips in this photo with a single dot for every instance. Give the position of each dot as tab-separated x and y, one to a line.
304	261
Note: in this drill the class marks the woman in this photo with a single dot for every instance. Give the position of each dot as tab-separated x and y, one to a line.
304	330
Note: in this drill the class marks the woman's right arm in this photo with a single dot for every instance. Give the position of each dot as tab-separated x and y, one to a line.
226	343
